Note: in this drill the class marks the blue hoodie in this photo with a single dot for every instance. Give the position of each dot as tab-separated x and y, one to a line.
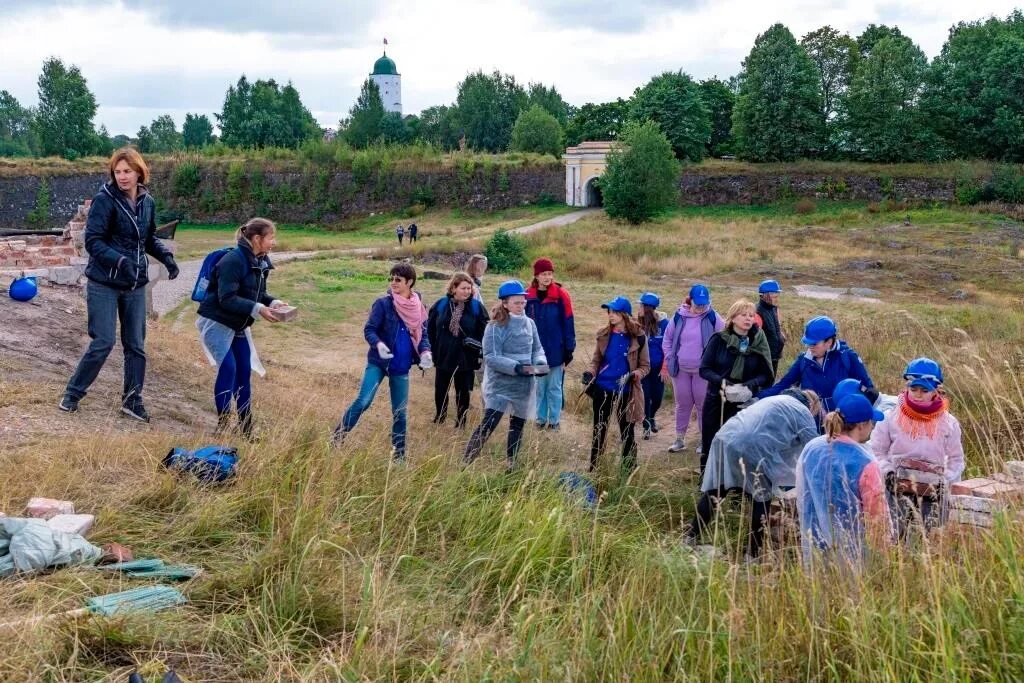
841	362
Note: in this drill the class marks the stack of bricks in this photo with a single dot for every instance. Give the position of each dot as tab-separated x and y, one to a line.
974	501
58	258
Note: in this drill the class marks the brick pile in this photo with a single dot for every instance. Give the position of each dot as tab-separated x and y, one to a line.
61	259
974	501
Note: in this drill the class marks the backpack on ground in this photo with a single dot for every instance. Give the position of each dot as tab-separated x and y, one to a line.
209	464
202	285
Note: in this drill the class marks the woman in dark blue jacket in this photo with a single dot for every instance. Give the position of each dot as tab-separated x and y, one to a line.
396	331
236	296
653	322
120	232
549	306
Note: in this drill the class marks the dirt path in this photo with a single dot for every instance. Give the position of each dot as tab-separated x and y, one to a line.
556	222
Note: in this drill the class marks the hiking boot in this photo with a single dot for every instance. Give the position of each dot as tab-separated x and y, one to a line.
542	425
245	425
135	410
677	445
647	434
654	426
223	422
337	438
555	427
68	404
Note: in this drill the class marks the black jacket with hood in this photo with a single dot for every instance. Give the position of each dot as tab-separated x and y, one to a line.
118	239
237	284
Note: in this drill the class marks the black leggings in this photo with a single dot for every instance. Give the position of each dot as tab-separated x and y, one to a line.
445	379
483	432
712	419
707	506
604	403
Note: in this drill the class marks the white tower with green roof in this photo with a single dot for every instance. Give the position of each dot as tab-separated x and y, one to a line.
389	82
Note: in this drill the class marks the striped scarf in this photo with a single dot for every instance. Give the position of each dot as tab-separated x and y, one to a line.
920	419
457	310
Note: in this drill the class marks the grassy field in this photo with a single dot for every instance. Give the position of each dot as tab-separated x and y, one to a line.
334	566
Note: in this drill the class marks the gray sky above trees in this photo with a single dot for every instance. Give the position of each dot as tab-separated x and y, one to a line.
150	57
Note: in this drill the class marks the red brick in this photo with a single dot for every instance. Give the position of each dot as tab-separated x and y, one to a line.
967	487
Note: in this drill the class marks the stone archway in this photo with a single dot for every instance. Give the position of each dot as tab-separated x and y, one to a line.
585	163
592	195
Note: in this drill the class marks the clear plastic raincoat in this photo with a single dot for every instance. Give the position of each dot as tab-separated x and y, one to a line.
505	346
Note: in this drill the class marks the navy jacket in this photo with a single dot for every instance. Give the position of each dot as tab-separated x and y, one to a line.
840	363
555	324
384	325
118	239
237	284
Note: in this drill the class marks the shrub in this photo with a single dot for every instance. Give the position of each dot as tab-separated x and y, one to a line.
506	253
805	206
642	179
40	215
424	195
233	195
1007	184
185	180
414	210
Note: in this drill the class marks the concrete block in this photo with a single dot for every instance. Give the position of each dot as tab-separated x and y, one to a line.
1015	469
65	275
976	504
71	524
971	517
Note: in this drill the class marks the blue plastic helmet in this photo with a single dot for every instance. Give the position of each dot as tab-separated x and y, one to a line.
650	299
847	387
700	295
856	408
923	372
619	304
819	329
769	287
511	288
23	289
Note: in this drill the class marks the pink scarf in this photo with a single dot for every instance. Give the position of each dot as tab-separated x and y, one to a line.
413	313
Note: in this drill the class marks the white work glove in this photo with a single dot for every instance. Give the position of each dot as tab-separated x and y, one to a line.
737	393
426	361
384	351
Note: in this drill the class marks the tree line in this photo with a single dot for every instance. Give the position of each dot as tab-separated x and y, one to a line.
828	95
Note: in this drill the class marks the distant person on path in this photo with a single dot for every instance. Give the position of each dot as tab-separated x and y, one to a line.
920	437
768	319
236	296
687	334
120	232
548	304
396	331
754	452
827	361
455	327
653	323
512	348
736	365
414	232
400	233
613	381
840	492
476	266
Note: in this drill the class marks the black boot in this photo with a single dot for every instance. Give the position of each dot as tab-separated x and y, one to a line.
245	424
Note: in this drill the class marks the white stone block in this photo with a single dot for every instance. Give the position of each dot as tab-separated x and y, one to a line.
71	524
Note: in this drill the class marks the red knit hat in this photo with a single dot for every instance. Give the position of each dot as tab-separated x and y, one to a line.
543	265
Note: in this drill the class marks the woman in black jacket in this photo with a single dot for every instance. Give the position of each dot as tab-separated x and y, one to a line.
236	296
120	232
455	328
736	364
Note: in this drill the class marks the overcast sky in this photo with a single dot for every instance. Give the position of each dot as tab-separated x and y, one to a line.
152	57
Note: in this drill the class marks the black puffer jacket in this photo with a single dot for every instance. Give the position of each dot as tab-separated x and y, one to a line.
772	329
450	351
718	359
118	239
238	283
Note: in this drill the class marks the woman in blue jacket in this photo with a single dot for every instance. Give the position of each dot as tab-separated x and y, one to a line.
653	322
549	306
120	232
827	361
396	331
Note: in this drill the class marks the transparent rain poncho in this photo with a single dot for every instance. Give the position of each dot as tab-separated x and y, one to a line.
757	449
505	346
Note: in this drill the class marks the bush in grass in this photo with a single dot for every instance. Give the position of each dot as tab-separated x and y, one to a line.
642	178
506	253
805	206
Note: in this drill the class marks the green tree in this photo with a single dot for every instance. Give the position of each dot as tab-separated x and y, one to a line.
16	134
166	137
440	126
144	139
550	100
597	122
66	109
120	140
776	116
505	252
197	131
882	118
365	116
719	99
867	40
104	143
536	130
263	114
393	129
488	108
974	92
641	179
673	101
835	54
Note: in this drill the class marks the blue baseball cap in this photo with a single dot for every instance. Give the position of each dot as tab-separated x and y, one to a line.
619	304
856	408
650	299
700	295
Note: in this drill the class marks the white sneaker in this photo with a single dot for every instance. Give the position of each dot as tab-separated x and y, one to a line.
677	445
700	449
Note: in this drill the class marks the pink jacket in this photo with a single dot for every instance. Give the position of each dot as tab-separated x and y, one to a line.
944	451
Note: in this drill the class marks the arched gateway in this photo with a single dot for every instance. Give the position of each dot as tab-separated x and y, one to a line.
584	164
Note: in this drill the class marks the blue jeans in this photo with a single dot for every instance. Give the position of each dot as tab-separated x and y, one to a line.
549	396
234	379
399	388
105	306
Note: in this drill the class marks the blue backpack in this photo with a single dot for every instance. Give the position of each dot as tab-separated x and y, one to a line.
578	488
206	273
209	464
